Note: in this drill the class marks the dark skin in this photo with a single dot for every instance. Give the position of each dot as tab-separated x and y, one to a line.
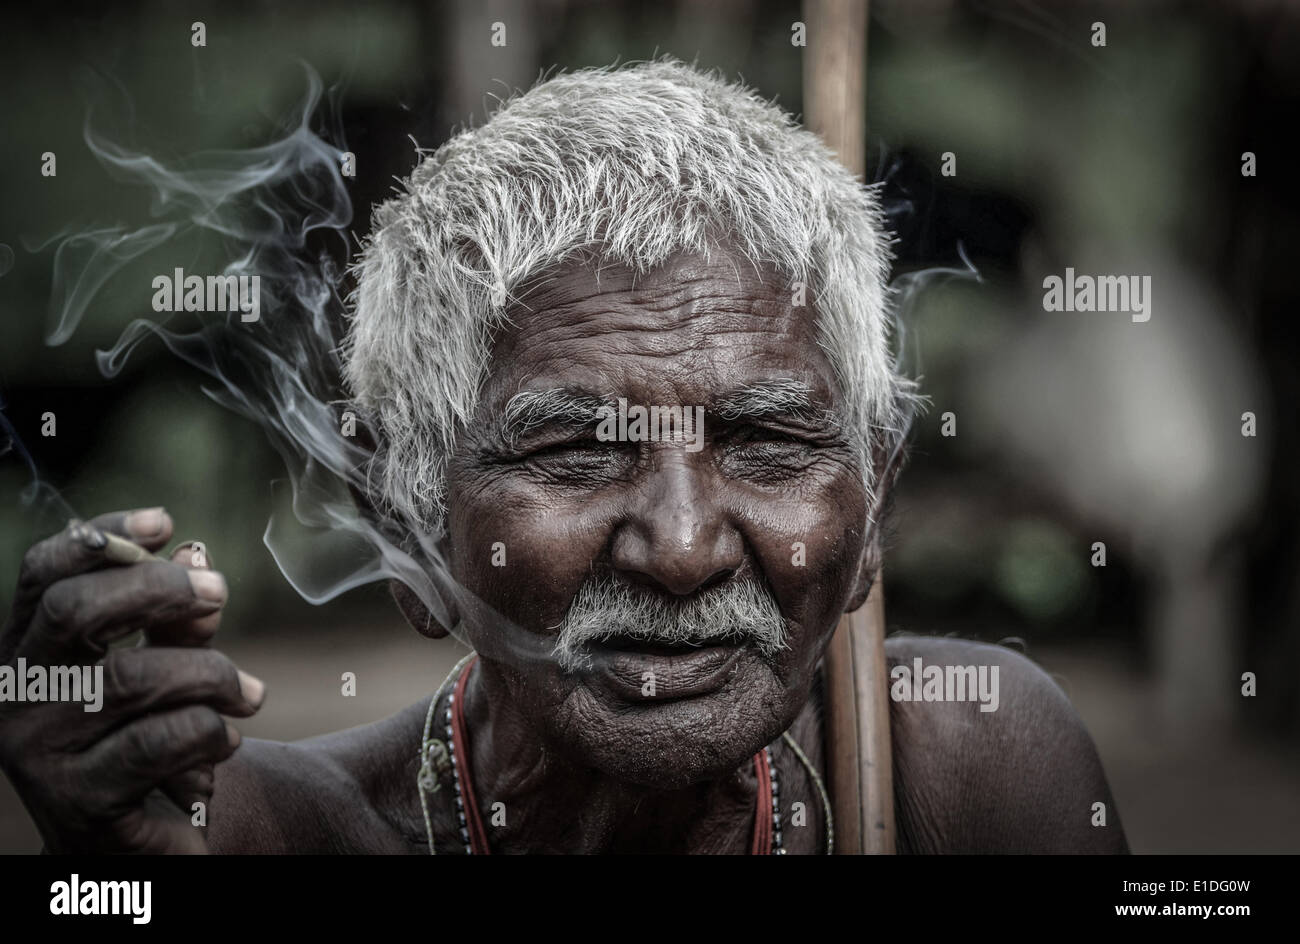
581	764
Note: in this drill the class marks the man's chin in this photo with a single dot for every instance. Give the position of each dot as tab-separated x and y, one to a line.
644	675
710	712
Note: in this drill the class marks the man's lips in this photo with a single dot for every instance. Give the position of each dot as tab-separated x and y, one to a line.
621	665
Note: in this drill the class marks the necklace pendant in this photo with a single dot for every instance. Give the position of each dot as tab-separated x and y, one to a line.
436	763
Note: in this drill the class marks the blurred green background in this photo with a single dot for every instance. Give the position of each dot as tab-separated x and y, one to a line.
1071	428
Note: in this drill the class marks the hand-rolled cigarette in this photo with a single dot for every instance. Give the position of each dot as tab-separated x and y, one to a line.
116	549
121	551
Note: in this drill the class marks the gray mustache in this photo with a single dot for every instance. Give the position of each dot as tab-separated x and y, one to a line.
739	611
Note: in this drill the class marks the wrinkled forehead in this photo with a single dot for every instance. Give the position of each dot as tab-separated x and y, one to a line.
690	331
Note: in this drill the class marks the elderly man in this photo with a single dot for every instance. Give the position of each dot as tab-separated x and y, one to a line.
624	353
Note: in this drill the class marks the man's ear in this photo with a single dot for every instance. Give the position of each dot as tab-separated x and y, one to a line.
416	613
868	570
887	461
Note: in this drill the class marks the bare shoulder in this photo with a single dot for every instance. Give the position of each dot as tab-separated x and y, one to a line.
990	756
345	792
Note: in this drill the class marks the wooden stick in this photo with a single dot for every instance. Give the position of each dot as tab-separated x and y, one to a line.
858	759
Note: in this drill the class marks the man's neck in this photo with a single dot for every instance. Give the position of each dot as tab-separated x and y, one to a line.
550	805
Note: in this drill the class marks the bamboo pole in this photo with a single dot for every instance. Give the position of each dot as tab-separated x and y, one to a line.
858	761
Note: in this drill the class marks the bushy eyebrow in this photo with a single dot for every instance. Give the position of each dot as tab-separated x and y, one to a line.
533	409
771	399
774	399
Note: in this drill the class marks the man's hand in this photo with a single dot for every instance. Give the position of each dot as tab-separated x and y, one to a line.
125	778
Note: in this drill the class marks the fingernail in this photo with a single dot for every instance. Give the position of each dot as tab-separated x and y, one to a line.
146	523
251	688
208	585
232	736
191	553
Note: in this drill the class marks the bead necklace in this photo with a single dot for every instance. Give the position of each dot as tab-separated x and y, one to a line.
437	755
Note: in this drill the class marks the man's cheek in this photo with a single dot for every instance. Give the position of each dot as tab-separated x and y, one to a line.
809	559
529	563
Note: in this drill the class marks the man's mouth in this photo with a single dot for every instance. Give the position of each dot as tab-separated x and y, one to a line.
643	671
656	647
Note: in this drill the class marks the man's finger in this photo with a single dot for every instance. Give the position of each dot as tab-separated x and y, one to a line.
129	763
190	787
78	617
195	785
80	548
191	632
142	681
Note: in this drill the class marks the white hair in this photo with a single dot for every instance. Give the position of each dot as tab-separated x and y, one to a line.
606	608
622	164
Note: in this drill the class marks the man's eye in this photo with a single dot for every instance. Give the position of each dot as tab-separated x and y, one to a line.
764	436
768	455
571	447
580	460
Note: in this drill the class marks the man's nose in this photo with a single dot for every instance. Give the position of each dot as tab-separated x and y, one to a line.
676	538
